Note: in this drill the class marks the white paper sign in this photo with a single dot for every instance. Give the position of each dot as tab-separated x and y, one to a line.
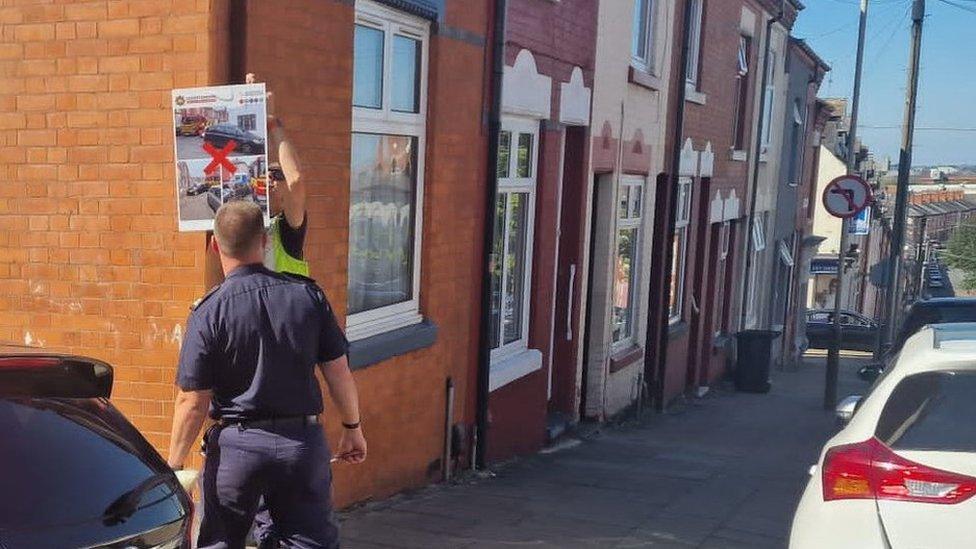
220	151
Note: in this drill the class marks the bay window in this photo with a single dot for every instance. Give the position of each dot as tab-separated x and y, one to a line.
386	173
630	205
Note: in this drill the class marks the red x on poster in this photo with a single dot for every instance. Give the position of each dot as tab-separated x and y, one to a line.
220	157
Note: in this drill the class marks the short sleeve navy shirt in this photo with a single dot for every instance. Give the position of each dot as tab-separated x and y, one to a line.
255	342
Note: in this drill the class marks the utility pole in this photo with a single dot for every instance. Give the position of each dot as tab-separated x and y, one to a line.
833	354
904	171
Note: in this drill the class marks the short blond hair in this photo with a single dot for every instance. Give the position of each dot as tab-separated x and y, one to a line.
238	227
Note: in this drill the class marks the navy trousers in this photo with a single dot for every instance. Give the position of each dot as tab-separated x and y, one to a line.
288	466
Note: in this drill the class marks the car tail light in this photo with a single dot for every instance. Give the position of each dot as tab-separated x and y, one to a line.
871	470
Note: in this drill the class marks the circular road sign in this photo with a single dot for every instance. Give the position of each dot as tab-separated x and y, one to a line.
846	196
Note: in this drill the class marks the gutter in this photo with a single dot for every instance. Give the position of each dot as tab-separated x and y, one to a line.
656	369
491	189
755	169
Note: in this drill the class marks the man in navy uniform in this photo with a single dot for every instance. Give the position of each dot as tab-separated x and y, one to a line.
249	355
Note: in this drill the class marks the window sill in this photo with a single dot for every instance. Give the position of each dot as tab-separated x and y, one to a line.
694	96
642	78
740	156
373	350
625	357
513	367
762	157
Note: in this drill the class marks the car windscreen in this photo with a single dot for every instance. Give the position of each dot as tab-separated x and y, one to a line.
65	461
931	411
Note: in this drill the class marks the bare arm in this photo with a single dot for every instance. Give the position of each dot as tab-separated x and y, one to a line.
342	387
188	417
293	191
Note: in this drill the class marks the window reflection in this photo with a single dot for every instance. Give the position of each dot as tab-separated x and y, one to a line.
381	220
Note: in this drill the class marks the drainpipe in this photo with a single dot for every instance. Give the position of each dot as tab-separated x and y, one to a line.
656	369
237	41
755	169
491	188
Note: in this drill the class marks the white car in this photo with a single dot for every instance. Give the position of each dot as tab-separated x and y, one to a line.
902	473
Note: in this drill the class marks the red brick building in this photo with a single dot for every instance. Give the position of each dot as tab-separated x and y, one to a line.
90	258
543	161
717	172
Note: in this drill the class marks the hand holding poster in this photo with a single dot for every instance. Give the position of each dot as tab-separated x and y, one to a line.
221	150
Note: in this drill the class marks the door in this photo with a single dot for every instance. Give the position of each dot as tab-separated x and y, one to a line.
563	392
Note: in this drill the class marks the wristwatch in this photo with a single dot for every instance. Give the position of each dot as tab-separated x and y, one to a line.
351	426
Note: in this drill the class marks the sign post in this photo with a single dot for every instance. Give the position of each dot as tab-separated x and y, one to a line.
844	197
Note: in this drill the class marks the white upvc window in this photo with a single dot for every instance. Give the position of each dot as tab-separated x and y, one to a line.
695	42
642	36
758	246
512	246
679	250
389	126
769	103
798	146
626	284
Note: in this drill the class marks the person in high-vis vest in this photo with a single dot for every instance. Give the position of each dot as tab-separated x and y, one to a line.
286	205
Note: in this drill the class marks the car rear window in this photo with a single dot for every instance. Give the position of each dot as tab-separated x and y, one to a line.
931	411
64	461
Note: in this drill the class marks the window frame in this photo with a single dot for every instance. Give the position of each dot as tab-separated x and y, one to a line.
798	155
682	222
696	32
648	63
758	238
386	121
631	221
741	95
769	100
512	184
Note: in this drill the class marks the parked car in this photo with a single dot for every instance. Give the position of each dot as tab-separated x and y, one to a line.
76	473
858	332
936	283
199	188
213	198
247	142
937	310
902	473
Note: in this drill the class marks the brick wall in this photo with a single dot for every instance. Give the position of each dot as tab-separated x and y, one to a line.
90	258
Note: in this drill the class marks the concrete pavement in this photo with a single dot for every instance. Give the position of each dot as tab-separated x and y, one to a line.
724	471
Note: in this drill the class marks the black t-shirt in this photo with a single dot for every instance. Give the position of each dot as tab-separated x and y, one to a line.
255	341
292	239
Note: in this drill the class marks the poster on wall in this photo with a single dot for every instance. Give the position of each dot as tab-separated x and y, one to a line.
220	151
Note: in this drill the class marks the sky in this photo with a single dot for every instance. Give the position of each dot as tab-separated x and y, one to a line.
947	82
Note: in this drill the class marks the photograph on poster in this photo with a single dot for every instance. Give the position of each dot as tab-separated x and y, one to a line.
220	135
200	194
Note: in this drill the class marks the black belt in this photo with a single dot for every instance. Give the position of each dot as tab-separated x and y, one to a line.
279	421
